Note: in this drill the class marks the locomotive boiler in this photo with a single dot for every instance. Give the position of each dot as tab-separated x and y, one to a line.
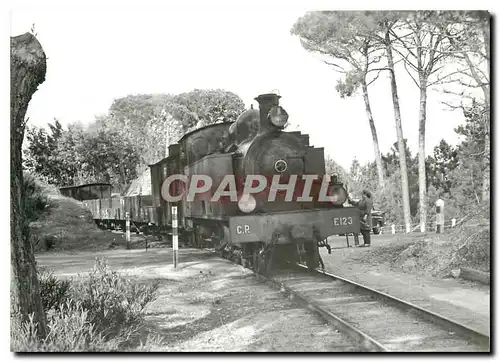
260	193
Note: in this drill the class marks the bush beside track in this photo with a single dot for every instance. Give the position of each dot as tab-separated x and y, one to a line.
101	311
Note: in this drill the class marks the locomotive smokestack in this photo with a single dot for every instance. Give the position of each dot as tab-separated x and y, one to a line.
266	102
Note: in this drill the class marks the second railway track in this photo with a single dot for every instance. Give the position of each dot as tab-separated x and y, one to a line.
377	321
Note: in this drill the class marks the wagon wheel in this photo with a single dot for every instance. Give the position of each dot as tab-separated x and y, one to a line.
197	237
192	237
269	259
220	240
256	260
263	258
261	264
311	255
246	256
289	254
237	256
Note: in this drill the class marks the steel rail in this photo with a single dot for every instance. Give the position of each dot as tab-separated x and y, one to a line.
367	342
474	336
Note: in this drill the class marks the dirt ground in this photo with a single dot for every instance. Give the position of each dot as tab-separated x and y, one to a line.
463	301
210	304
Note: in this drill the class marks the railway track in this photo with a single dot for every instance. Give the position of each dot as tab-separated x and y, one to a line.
375	320
378	322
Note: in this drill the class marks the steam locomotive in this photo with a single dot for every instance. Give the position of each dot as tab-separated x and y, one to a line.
275	201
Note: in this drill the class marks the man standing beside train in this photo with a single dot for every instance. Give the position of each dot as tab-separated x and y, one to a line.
365	215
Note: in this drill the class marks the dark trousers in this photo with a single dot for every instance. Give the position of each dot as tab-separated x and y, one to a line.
366	236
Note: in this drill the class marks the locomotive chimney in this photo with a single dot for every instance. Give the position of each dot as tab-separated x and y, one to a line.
266	102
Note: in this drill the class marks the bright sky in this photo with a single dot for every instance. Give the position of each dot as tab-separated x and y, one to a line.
98	54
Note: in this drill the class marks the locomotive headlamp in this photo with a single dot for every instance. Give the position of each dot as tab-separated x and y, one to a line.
339	195
278	116
247	203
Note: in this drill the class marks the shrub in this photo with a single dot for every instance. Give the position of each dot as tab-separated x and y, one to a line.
69	331
472	248
114	303
54	292
23	336
100	312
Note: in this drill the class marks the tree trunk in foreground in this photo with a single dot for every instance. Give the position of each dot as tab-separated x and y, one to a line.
399	132
27	71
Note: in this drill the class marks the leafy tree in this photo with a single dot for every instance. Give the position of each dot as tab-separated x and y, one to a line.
136	132
333	168
468	175
108	157
136	110
389	199
131	116
468	33
41	146
155	121
342	35
439	166
151	127
82	155
356	175
470	39
163	130
68	157
392	161
208	106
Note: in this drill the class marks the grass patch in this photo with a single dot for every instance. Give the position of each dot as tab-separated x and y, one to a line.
35	197
439	255
67	225
467	245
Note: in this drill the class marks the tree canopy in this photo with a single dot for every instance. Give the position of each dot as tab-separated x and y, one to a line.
78	155
448	50
136	132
